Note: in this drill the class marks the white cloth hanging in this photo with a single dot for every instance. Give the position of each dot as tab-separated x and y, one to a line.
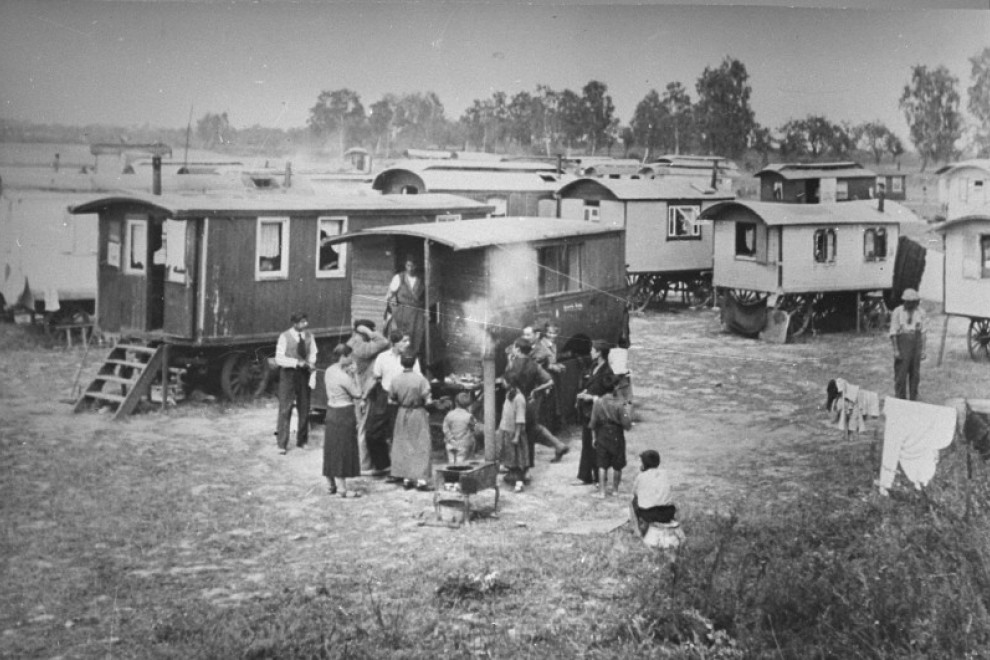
913	434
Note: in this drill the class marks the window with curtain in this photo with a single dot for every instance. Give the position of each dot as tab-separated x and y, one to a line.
825	246
682	222
875	244
136	246
746	240
560	269
331	260
272	249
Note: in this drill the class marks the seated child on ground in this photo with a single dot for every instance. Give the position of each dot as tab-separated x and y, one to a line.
459	430
652	500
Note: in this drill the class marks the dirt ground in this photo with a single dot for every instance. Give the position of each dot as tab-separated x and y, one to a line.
730	416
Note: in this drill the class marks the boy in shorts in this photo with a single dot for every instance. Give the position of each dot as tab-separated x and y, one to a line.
610	420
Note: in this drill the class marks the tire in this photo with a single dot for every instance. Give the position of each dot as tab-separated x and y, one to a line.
978	339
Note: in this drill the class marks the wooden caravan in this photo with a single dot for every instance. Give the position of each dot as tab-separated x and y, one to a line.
706	171
512	188
967	276
217	278
487	278
893	183
963	188
818	262
667	247
816	183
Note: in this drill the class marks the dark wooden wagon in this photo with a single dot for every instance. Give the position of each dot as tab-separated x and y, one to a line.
207	283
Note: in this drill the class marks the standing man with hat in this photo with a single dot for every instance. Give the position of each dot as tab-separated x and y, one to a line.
295	353
907	336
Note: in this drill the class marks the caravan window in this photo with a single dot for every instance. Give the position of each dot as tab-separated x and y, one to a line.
875	244
682	222
136	246
174	240
272	253
591	210
560	269
746	240
331	260
825	246
985	255
500	206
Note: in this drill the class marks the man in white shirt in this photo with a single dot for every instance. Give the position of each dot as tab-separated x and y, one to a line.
295	354
907	337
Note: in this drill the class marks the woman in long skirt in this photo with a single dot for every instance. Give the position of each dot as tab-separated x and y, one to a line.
411	445
340	445
593	386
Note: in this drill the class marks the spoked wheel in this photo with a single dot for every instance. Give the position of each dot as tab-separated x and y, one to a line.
978	339
747	296
243	376
698	292
873	313
642	292
801	308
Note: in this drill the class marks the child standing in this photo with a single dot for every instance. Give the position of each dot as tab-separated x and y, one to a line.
609	422
513	443
459	430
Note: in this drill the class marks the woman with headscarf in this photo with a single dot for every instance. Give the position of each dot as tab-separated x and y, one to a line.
411	444
341	460
592	386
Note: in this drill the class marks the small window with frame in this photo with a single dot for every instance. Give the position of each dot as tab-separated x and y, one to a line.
985	256
778	190
682	222
746	240
592	212
331	260
136	245
271	260
560	269
875	244
825	246
841	191
896	184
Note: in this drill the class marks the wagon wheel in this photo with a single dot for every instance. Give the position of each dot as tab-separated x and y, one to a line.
873	313
747	296
698	292
978	338
640	293
801	308
243	376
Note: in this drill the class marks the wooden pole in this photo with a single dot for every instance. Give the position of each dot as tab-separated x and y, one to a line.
859	309
488	383
941	343
164	377
426	302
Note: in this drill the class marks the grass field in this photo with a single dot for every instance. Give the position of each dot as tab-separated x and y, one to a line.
183	535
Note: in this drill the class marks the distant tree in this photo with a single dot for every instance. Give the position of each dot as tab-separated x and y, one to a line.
647	122
894	147
875	137
843	140
381	120
816	136
420	119
599	113
523	115
213	129
628	137
477	121
338	112
979	100
548	108
571	112
724	116
931	106
762	143
677	125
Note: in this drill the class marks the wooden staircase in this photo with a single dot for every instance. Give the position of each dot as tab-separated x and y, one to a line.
124	379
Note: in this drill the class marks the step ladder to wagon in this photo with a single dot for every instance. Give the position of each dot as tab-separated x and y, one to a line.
124	379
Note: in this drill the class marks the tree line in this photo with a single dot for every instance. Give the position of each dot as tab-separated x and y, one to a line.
717	120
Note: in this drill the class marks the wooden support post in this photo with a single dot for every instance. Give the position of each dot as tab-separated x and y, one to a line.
941	342
488	384
164	376
859	309
427	278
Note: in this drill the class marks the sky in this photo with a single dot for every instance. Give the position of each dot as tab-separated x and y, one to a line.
127	62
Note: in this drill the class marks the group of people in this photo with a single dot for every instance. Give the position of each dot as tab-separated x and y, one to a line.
377	421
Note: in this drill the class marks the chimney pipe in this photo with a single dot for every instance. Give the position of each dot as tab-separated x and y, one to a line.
156	175
560	164
715	174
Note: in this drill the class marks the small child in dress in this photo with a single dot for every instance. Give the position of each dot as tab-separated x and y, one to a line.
512	440
459	430
609	422
651	500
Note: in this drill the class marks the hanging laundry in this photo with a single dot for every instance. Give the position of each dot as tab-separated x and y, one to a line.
913	434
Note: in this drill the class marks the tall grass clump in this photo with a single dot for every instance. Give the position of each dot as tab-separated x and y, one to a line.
836	575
